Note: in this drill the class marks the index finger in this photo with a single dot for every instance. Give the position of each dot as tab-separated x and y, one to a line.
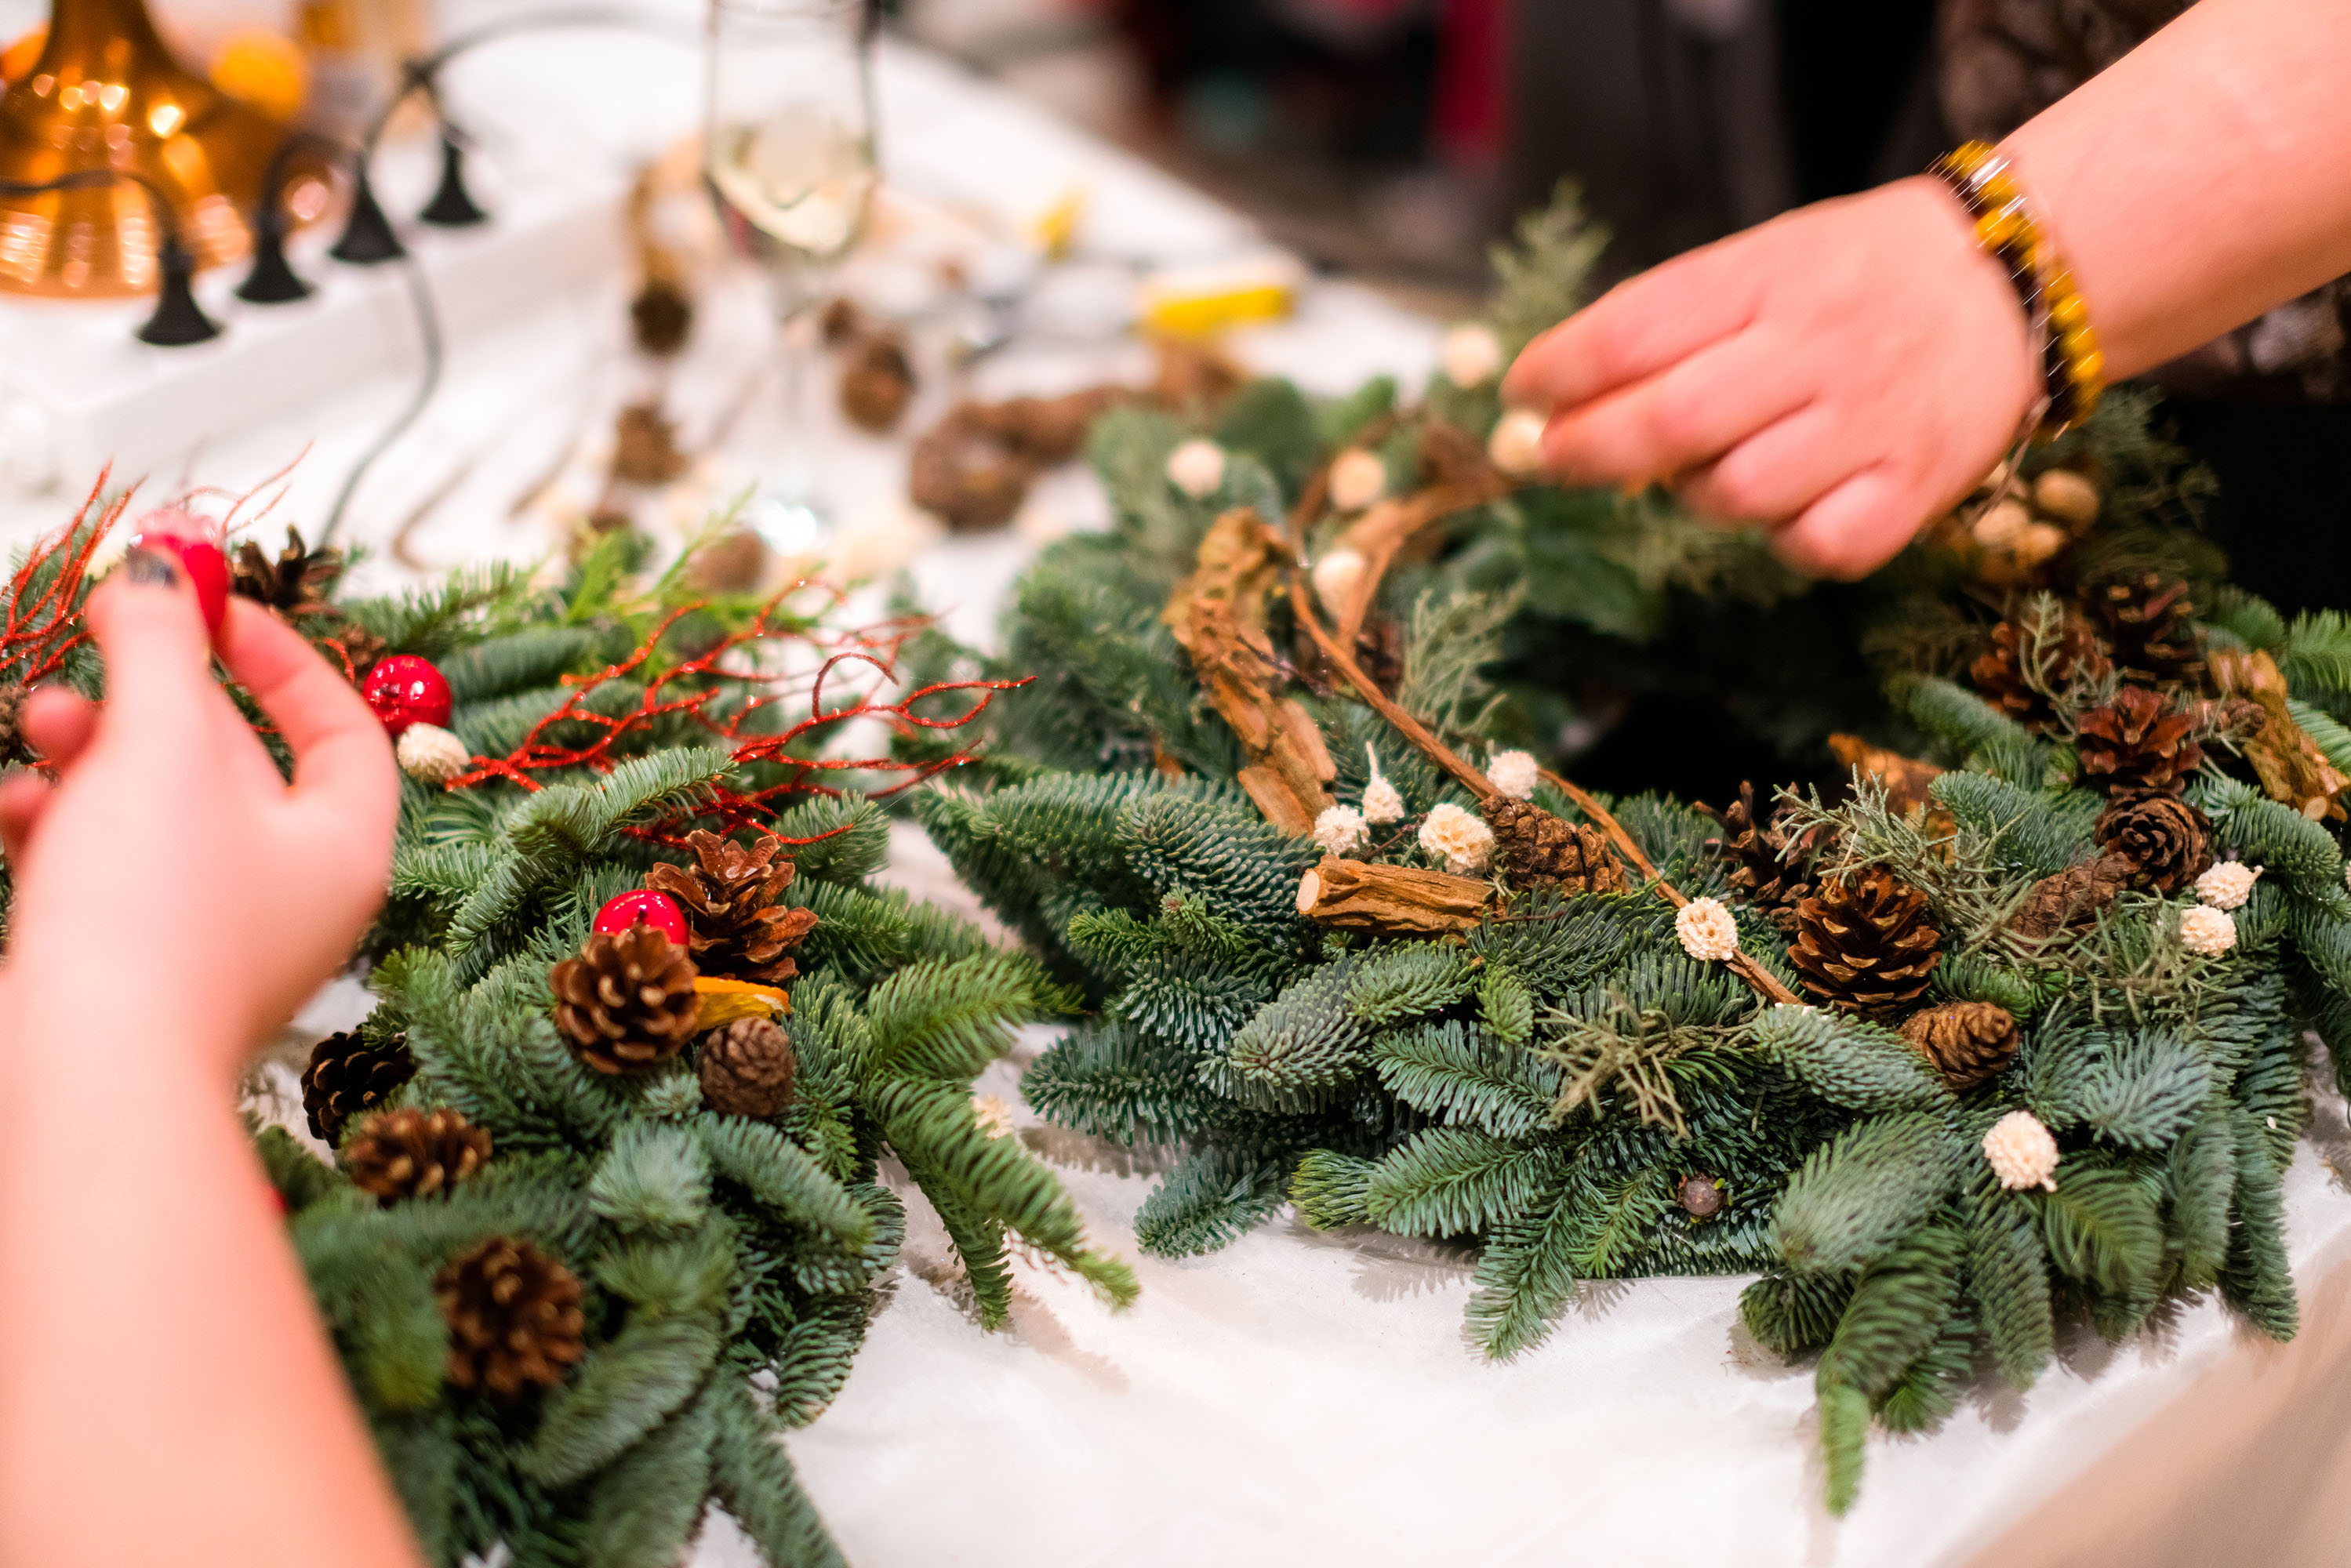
1642	326
338	744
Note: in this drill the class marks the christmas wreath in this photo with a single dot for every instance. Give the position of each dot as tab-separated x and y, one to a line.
591	1201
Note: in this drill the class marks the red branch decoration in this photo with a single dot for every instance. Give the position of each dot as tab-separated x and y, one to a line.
741	669
43	625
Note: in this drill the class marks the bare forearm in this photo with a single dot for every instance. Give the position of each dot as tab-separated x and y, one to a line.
2203	178
171	1394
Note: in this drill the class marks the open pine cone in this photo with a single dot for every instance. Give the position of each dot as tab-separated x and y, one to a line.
1537	849
2138	745
414	1154
349	1076
2069	654
627	1004
513	1317
747	1068
2071	897
296	583
12	738
2168	841
1863	942
1766	871
737	927
2151	623
1966	1043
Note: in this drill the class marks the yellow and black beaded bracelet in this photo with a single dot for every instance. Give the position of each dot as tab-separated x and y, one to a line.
2072	371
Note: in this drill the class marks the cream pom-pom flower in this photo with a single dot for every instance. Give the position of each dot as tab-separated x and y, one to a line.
2228	885
1336	577
1340	829
1197	467
1381	801
1706	931
2206	931
1514	773
2021	1152
1358	479
1464	843
1470	355
431	755
1516	445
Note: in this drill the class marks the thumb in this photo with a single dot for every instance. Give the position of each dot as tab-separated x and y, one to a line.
158	658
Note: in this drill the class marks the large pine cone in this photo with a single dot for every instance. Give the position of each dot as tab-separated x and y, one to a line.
348	1077
748	1069
627	1004
1767	870
296	583
2168	841
2150	624
1863	942
414	1154
2026	660
738	929
2071	897
2138	745
1966	1043
1538	850
513	1317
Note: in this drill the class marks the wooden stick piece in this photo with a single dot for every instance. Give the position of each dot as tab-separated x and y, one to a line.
1390	900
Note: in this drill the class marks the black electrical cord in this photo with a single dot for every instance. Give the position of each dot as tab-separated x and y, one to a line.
428	334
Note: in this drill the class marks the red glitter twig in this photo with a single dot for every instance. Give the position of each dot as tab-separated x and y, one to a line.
43	625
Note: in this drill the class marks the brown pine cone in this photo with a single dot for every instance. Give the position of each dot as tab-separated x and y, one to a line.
1966	1043
2168	841
360	646
876	383
2071	897
748	1069
660	318
513	1317
972	478
2151	623
1863	942
414	1154
296	583
2027	660
627	1004
1538	850
644	446
348	1077
12	708
2138	745
731	895
1767	871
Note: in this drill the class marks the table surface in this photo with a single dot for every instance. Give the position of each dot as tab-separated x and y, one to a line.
1296	1397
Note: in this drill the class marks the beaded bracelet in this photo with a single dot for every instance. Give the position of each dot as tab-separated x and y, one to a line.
2072	371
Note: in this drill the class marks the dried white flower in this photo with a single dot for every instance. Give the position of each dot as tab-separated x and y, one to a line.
1197	467
1358	479
1340	829
1381	801
2002	525
1516	445
431	755
2021	1152
1336	577
1707	932
2228	885
1514	773
1471	354
1464	843
2206	931
994	1117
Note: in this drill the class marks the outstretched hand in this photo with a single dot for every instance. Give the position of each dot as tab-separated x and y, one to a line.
170	834
1842	375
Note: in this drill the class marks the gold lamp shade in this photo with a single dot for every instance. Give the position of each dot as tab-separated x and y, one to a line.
106	93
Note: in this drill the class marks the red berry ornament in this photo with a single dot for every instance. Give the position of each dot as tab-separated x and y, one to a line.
403	690
177	534
643	907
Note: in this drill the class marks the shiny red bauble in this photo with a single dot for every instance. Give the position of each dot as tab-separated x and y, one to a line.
175	533
643	907
403	690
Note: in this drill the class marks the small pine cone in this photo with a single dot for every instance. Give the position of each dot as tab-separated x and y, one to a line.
414	1154
2071	897
1863	942
296	583
1966	1043
12	738
349	1076
644	446
1699	1196
2168	841
1540	850
2068	654
748	1069
627	1004
876	383
2151	623
661	317
360	647
731	895
1767	871
2138	745
513	1317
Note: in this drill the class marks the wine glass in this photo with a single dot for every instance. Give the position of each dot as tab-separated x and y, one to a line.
787	150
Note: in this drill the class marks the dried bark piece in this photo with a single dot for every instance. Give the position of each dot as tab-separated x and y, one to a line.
2291	767
1390	900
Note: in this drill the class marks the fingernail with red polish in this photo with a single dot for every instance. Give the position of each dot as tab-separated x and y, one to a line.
152	568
